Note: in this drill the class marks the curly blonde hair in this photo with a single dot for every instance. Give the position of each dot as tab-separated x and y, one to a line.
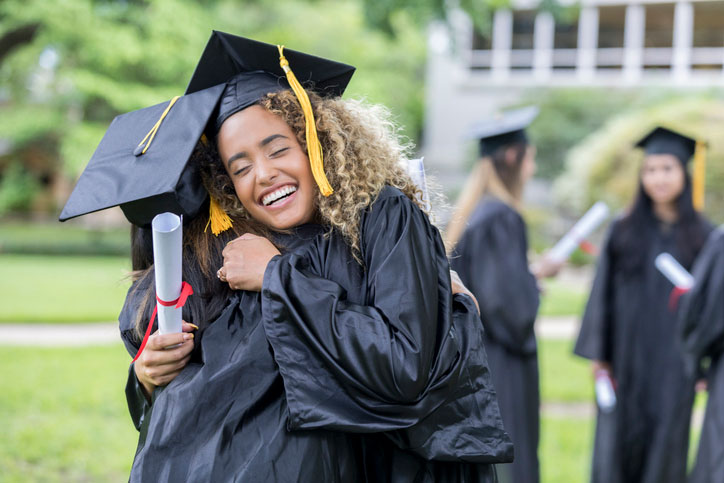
363	152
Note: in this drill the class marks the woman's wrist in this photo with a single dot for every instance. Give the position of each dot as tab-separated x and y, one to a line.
146	386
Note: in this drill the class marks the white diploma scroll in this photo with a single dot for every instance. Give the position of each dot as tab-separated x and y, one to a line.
605	393
583	227
416	170
167	231
674	271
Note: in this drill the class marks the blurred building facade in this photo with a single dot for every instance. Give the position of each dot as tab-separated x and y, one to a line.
608	43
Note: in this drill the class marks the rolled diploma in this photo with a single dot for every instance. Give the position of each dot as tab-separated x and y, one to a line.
416	170
596	215
167	230
674	271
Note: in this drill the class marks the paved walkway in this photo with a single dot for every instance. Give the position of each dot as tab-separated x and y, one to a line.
69	335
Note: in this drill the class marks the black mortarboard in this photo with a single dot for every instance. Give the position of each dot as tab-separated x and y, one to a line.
160	179
504	129
666	141
251	69
155	176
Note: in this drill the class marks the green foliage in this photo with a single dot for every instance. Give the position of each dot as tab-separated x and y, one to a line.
566	117
17	188
94	59
604	166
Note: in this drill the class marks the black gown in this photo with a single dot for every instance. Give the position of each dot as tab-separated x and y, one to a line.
333	372
702	325
491	259
629	324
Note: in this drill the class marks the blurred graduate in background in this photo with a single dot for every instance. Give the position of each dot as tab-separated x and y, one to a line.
629	325
488	247
702	329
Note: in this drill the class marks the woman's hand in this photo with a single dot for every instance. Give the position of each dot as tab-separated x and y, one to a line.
546	268
459	287
601	366
163	358
245	260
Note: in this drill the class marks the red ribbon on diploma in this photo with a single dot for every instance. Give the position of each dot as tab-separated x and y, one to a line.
674	297
186	291
589	248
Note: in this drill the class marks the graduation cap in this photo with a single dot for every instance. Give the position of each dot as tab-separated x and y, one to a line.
666	141
503	129
142	162
252	69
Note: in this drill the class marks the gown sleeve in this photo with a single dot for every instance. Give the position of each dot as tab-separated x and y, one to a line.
391	362
594	336
701	314
494	258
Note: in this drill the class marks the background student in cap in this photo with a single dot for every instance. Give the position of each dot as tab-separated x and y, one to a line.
342	354
701	319
488	244
629	326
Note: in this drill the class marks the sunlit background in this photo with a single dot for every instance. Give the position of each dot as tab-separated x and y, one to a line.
602	72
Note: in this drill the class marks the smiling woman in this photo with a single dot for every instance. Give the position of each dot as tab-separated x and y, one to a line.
333	346
629	327
268	167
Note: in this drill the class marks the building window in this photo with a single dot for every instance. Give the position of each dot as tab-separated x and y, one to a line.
708	22
523	28
659	25
566	35
611	24
481	41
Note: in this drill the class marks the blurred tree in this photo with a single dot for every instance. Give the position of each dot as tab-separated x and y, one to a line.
566	117
68	67
604	166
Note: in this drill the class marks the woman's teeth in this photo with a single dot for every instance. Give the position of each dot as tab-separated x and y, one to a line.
278	194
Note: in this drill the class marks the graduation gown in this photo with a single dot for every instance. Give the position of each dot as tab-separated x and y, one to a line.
334	372
629	324
702	329
491	259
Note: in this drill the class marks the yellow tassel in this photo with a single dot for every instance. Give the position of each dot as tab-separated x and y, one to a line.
698	180
152	133
314	148
218	219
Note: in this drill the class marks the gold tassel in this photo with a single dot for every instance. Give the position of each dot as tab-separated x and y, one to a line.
218	219
152	133
314	149
698	179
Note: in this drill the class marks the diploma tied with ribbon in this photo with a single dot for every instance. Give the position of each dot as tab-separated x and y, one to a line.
577	235
167	237
171	291
676	274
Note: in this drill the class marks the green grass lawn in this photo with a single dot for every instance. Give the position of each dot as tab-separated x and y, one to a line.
561	298
565	449
64	415
564	377
50	289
